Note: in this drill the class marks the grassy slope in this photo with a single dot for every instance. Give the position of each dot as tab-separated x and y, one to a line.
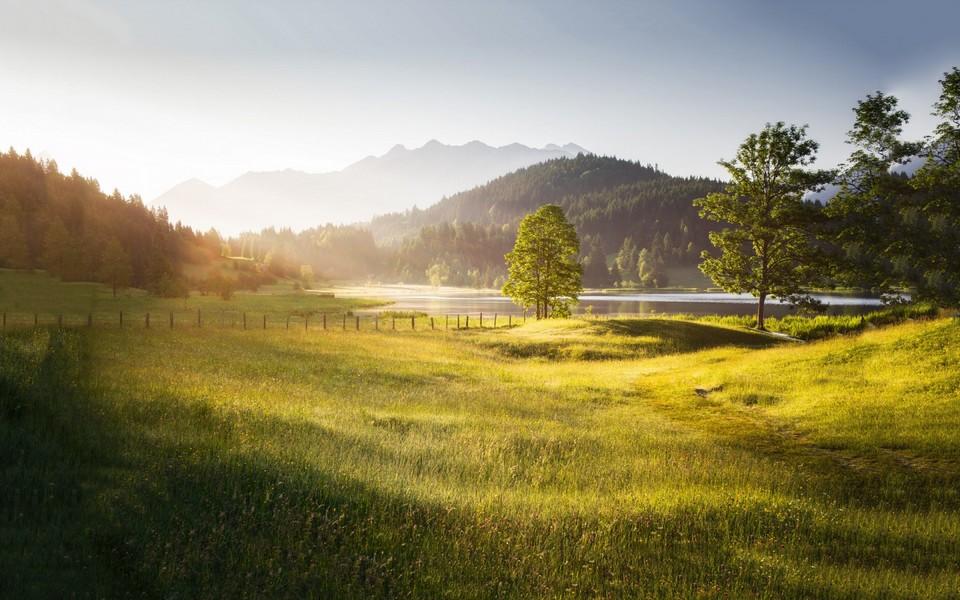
701	461
25	293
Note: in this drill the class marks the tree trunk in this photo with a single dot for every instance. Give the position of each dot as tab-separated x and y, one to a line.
760	302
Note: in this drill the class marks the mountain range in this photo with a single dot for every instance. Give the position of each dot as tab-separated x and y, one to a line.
396	181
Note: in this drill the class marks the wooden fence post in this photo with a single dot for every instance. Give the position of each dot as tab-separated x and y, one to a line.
446	321
244	320
376	322
344	321
358	322
306	322
458	321
431	323
494	320
147	321
393	323
468	321
481	320
288	321
264	320
324	321
121	319
413	324
199	321
509	320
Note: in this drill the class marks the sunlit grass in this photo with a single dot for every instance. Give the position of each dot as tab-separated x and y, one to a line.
693	460
24	293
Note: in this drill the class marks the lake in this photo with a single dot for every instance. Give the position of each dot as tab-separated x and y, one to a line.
447	300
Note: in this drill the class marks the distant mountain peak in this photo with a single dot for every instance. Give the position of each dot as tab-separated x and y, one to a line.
392	182
575	149
192	184
570	148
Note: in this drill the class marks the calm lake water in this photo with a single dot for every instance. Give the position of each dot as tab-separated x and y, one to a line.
468	301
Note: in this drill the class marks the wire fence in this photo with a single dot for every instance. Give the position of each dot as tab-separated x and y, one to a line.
257	321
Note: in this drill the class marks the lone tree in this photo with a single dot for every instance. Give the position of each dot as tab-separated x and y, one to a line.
767	244
542	267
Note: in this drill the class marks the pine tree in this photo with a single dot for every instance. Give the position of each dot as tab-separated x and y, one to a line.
56	246
595	271
626	259
542	267
13	244
650	268
115	268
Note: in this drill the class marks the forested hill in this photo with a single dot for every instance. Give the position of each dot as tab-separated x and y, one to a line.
68	226
615	205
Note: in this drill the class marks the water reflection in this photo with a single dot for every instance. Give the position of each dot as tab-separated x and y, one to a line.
466	301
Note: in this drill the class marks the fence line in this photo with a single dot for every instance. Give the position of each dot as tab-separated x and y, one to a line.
238	320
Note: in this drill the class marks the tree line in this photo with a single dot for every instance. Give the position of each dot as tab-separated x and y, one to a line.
68	226
620	209
885	229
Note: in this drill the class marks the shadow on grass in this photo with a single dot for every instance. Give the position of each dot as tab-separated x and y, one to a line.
621	339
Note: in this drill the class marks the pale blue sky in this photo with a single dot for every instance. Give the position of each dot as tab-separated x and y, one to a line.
143	95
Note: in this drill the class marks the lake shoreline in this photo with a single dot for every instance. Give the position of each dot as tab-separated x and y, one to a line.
453	300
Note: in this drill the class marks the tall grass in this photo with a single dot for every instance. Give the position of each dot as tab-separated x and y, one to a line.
711	463
820	326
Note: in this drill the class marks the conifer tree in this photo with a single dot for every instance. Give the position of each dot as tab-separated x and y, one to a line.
115	268
56	247
14	253
595	271
626	259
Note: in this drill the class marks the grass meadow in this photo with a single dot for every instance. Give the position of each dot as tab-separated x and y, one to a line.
24	293
582	458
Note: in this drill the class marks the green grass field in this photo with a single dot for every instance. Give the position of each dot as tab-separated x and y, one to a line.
581	458
24	293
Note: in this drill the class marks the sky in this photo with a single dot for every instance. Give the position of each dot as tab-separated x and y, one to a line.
143	95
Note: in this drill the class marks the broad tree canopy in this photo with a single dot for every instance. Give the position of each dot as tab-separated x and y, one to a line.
543	270
767	246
